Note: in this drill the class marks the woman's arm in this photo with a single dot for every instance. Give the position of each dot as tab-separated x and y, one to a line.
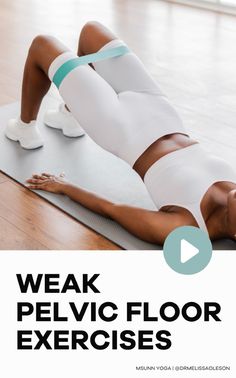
58	185
148	225
151	226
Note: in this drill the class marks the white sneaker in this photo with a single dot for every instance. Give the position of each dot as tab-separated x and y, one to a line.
27	134
63	119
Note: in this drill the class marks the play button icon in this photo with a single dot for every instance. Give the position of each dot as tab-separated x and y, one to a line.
187	250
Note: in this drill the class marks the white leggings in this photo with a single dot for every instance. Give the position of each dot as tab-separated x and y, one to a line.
118	104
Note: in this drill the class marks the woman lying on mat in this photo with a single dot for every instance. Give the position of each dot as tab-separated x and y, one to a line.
123	110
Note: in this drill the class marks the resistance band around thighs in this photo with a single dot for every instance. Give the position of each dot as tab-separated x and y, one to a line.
68	66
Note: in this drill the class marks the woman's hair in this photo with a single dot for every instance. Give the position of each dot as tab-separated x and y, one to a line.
231	214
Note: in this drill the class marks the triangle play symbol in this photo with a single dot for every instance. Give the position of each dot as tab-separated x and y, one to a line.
188	251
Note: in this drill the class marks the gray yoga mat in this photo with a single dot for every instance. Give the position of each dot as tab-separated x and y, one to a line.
85	164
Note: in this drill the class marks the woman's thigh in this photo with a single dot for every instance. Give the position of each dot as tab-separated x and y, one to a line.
123	73
91	100
126	72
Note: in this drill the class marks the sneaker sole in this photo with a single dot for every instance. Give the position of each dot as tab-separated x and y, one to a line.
14	139
31	148
79	134
9	136
73	136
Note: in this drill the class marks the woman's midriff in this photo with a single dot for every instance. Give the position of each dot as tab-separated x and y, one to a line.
160	148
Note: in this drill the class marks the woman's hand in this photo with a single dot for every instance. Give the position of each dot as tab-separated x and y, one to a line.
47	182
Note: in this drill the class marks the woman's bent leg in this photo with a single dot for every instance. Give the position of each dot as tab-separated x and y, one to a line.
91	100
43	50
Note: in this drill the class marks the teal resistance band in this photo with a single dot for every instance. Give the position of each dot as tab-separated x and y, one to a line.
86	59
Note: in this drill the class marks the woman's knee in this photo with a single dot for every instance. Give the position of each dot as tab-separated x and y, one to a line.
39	43
44	49
91	28
88	32
93	36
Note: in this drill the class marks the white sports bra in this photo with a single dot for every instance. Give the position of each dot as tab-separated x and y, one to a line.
182	177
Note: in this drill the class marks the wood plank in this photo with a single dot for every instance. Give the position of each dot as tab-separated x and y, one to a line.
13	238
3	177
45	223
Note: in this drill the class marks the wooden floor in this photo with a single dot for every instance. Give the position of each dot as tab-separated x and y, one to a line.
28	222
192	54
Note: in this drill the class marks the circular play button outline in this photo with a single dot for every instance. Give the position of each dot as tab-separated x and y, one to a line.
187	250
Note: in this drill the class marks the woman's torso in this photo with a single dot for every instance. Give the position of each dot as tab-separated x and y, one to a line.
160	148
214	199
